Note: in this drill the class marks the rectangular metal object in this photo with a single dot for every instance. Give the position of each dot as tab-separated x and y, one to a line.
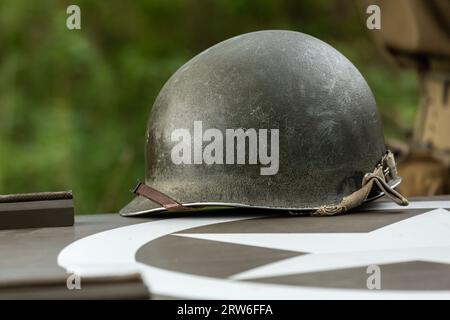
64	287
36	214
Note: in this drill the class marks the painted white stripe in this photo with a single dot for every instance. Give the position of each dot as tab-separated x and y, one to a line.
412	205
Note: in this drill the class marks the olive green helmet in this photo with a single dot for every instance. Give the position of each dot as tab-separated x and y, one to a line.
269	119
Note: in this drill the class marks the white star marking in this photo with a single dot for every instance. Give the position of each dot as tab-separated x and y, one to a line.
112	252
425	237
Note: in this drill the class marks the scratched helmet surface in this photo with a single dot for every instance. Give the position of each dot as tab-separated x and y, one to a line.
329	130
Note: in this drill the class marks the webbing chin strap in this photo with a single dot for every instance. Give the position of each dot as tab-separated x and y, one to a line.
386	168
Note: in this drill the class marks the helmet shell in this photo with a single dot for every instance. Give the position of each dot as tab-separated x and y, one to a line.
330	133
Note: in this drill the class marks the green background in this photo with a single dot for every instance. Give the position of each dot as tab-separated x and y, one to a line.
74	103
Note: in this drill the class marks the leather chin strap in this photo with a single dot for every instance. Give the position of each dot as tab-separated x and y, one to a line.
156	196
386	168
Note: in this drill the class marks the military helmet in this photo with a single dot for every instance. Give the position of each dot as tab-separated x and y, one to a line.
269	119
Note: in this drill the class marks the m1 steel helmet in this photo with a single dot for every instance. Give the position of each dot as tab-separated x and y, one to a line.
269	119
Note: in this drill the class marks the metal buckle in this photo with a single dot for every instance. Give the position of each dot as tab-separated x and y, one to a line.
135	189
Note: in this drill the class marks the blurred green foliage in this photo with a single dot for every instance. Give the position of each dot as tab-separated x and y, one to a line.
74	103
